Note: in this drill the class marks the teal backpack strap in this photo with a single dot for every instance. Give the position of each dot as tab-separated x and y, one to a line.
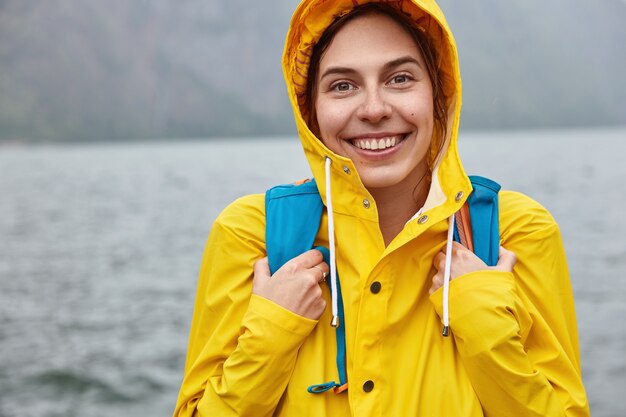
293	214
340	337
291	223
483	212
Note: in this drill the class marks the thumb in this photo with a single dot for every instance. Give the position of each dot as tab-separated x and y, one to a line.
262	269
506	260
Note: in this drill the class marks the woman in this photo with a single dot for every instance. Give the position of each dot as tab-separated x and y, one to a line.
376	93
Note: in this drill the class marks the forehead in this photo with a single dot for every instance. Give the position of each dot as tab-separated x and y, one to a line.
369	39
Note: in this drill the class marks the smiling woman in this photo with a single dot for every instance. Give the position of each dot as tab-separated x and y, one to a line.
376	94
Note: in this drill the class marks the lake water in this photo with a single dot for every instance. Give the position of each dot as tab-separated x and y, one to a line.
100	246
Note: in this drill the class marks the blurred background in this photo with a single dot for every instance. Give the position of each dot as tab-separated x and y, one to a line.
118	70
126	126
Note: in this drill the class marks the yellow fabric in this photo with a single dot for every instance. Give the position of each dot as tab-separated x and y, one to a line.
514	345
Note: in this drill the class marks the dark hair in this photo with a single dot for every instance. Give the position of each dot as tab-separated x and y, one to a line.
423	43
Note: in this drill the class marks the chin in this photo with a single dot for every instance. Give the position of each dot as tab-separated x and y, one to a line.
380	181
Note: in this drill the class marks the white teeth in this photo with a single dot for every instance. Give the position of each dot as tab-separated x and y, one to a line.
376	144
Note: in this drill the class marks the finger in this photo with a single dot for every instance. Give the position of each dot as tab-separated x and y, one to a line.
437	283
309	258
506	260
325	268
440	260
323	272
261	269
457	245
458	248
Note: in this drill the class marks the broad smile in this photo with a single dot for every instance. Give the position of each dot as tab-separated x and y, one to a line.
377	143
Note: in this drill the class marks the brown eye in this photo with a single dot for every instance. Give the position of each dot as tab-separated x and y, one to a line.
343	86
400	79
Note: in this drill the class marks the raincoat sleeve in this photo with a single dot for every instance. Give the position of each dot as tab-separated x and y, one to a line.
242	347
516	332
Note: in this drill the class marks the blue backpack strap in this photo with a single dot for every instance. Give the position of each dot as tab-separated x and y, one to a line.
340	337
293	214
483	213
291	223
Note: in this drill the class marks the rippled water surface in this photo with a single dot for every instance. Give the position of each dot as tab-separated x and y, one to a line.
100	246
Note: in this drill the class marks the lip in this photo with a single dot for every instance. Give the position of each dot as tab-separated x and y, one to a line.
376	135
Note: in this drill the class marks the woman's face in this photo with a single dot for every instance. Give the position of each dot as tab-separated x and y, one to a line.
374	101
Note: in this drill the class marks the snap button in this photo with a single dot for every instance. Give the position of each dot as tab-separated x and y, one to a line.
422	219
375	287
366	203
368	386
346	169
458	196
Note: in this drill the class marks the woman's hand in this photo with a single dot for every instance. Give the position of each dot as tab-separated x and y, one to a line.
295	286
465	261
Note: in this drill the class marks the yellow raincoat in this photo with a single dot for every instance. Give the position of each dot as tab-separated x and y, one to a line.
513	350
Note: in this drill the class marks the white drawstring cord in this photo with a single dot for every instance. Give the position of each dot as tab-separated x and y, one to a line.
331	243
446	277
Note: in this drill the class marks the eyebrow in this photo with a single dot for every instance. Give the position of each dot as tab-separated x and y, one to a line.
389	65
402	60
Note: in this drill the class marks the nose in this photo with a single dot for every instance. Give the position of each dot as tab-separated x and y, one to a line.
374	107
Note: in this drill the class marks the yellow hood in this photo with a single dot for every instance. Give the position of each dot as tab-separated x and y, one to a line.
307	25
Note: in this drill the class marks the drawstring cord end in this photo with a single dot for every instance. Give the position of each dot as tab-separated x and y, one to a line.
335	322
446	331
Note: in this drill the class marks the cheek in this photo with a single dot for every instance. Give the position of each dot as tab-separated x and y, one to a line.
331	119
420	108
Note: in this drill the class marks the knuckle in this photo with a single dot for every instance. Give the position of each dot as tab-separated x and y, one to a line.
289	267
311	280
317	292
